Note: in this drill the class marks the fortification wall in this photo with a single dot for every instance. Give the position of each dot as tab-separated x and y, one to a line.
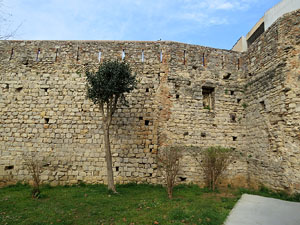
272	113
44	109
187	95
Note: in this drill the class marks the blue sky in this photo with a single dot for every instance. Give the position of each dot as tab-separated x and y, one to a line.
213	23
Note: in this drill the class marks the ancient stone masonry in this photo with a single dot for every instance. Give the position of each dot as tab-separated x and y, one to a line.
187	95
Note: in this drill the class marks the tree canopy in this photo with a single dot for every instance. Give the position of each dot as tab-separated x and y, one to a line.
110	82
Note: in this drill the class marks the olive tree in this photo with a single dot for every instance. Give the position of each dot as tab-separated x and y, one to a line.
106	88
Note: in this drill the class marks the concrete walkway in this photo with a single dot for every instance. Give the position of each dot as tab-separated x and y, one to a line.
257	210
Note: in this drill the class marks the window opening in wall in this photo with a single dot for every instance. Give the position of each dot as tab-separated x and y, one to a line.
184	57
161	56
231	92
123	54
147	122
234	138
37	54
203	134
185	133
147	89
151	150
203	59
45	89
99	55
56	54
140	118
262	104
6	86
238	63
227	76
177	96
238	100
117	168
250	74
11	54
143	58
208	97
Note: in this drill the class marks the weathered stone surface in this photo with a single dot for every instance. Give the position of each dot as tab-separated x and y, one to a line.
195	96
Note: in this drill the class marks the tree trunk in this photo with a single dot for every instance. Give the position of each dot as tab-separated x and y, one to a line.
110	175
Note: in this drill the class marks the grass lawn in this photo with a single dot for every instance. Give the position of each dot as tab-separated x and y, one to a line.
93	204
135	204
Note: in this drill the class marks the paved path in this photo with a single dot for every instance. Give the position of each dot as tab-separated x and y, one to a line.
257	210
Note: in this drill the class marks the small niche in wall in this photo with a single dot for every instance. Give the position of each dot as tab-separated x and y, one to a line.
185	133
203	134
11	54
161	57
208	97
231	92
147	122
123	54
238	100
182	178
140	118
56	55
150	174
99	55
38	54
46	120
177	96
45	89
19	89
227	76
232	117
234	138
77	54
147	89
262	104
9	167
150	150
117	168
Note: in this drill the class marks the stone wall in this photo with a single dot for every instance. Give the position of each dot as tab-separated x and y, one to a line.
44	109
272	112
187	95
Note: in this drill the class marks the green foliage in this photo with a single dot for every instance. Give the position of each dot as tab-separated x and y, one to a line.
112	79
244	105
207	107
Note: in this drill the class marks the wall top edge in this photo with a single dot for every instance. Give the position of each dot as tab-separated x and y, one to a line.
167	42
